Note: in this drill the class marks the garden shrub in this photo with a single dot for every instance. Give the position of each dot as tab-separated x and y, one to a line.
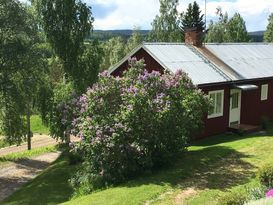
265	175
265	122
64	110
233	198
135	123
257	192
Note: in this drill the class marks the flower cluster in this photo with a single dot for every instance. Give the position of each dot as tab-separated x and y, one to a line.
269	193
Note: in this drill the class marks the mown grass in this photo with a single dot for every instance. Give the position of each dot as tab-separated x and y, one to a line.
37	125
50	187
208	170
28	153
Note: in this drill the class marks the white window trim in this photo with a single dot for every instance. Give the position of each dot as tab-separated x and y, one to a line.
214	115
265	96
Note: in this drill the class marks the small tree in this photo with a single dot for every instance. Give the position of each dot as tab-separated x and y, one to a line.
22	70
193	18
165	26
227	30
66	24
236	30
135	40
113	52
268	35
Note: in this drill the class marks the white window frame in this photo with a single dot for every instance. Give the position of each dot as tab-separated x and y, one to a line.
264	92
220	114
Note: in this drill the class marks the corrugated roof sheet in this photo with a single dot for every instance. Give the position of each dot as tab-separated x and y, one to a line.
249	60
175	56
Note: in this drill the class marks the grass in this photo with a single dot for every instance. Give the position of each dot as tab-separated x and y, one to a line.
27	154
208	170
37	125
50	187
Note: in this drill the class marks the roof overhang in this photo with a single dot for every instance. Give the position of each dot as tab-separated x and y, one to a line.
246	87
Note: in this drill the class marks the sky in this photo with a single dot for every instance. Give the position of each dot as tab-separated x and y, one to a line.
127	14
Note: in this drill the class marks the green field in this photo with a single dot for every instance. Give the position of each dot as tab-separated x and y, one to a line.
37	125
208	170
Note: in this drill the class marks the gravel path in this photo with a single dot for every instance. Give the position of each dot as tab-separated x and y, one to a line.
14	175
37	141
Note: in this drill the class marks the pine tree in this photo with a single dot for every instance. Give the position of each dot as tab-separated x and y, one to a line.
268	35
193	18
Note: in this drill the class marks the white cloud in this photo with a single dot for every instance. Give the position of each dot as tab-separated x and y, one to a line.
141	12
128	13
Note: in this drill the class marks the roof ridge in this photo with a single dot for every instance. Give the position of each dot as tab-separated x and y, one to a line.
206	60
163	43
239	43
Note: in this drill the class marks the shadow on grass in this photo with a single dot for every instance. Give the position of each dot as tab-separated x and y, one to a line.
216	167
50	187
229	137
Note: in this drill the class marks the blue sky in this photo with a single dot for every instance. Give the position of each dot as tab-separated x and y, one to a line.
125	14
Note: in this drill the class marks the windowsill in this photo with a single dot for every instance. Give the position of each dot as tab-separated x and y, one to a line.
215	116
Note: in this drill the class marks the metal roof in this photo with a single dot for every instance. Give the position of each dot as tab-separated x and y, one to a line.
175	56
249	60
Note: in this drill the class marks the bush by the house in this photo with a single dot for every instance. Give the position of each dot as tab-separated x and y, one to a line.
265	175
132	124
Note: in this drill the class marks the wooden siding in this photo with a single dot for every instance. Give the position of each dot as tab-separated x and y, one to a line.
252	108
151	63
217	125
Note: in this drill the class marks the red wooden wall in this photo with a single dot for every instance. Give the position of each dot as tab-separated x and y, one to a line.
252	108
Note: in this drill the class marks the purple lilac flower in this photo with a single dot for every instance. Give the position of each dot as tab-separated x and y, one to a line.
99	133
269	193
132	61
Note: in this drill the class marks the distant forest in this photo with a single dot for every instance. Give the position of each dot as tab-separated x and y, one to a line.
104	35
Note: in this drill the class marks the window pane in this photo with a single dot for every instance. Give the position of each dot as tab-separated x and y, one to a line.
213	97
235	100
219	103
264	92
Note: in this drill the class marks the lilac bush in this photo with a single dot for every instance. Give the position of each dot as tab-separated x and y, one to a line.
132	124
269	193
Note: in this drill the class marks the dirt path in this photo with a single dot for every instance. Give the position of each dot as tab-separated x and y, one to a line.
15	174
37	141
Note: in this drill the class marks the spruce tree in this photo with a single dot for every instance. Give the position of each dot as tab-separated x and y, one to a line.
268	35
193	18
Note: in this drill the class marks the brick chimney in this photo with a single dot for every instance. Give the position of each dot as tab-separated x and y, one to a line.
193	37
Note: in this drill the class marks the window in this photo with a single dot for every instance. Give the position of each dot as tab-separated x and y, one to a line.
235	100
218	103
264	92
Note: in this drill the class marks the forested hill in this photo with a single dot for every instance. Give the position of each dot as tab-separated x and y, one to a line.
103	35
257	36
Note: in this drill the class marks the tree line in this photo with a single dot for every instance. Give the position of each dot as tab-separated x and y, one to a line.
47	57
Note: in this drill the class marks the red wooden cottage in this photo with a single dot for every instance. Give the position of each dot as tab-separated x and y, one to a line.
237	76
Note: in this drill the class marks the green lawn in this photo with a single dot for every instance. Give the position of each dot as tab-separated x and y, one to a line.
210	168
37	125
28	153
